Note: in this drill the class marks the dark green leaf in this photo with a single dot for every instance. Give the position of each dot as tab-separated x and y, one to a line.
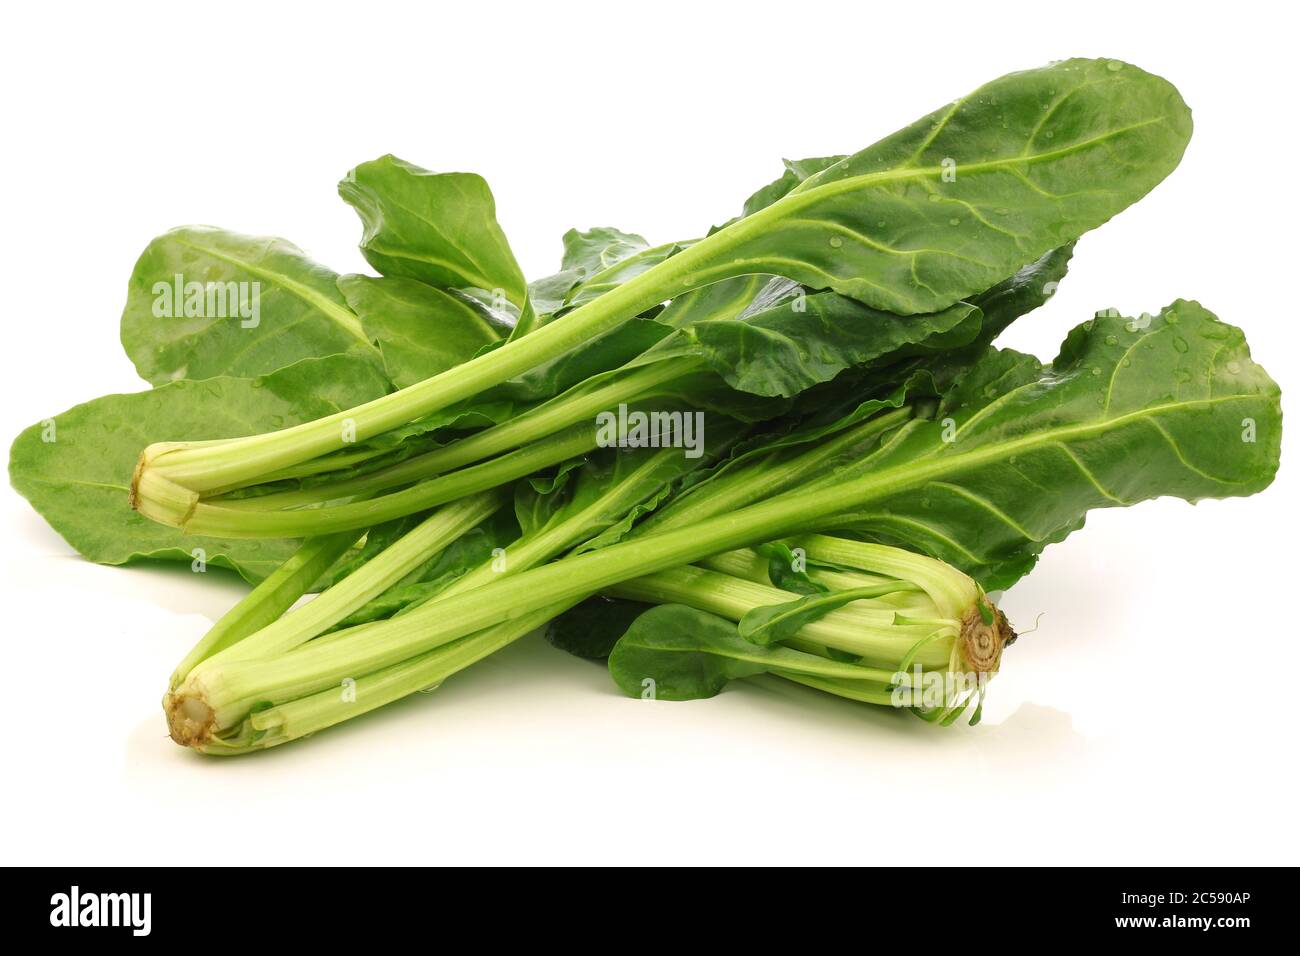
1018	453
1023	292
438	228
609	351
420	330
957	202
785	571
591	629
788	348
728	299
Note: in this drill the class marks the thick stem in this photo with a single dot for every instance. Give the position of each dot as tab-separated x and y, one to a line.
374	577
306	715
268	600
570	409
764	477
232	521
639	484
752	566
232	689
857	629
579	404
860	691
953	593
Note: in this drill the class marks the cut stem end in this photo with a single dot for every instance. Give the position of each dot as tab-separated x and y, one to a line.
985	631
190	721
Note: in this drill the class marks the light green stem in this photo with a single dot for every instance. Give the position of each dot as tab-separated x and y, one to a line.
572	408
749	564
233	689
527	552
580	404
370	580
306	715
268	600
766	476
231	520
854	629
952	592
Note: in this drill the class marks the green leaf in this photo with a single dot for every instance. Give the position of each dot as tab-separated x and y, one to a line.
585	254
788	348
472	549
796	171
785	572
960	200
76	468
595	250
624	270
774	623
614	487
930	365
675	652
591	629
548	293
602	354
728	299
1018	452
204	302
1023	292
438	228
420	330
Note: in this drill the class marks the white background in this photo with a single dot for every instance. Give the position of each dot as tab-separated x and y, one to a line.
1149	719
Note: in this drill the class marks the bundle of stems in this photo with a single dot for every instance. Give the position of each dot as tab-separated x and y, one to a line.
232	699
879	636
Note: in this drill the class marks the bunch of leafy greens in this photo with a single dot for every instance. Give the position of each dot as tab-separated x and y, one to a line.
419	445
